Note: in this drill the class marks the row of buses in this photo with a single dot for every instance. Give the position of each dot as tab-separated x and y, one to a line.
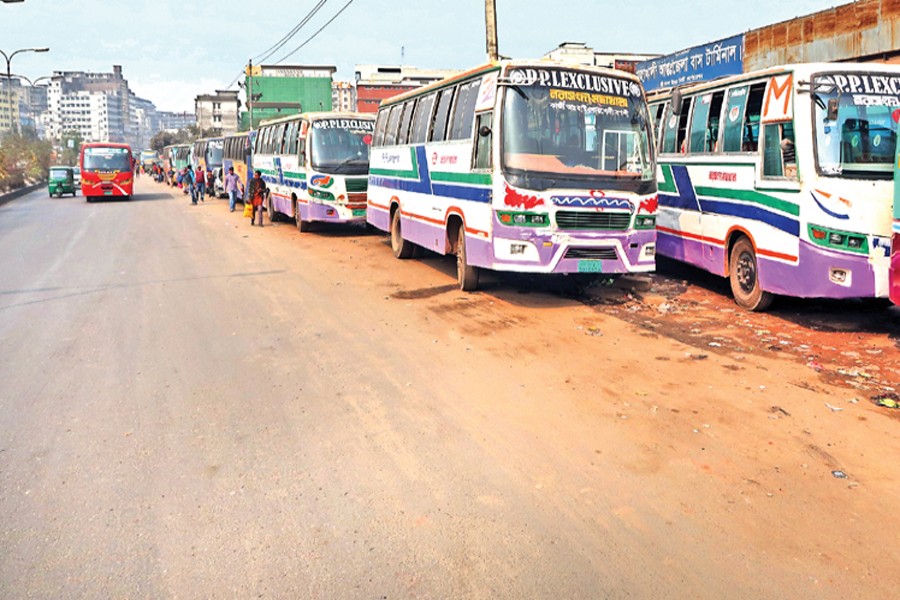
780	180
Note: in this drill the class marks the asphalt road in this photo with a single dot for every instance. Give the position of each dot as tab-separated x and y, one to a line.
194	408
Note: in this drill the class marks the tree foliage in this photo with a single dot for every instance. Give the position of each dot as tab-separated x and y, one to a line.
23	157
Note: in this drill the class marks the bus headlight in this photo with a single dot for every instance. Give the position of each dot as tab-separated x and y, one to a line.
644	222
523	219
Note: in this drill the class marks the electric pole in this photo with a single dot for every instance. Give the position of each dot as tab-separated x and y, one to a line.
250	91
490	18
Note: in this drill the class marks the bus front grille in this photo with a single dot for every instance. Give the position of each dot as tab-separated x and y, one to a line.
360	184
570	219
592	253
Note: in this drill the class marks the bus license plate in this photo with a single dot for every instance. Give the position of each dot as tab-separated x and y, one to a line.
590	266
107	192
359	212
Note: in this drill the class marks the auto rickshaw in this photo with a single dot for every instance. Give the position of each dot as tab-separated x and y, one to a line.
61	181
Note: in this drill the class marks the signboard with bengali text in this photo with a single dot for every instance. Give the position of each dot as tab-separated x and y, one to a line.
700	63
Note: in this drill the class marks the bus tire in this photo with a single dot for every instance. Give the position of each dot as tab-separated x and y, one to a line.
466	274
743	274
270	211
302	226
401	248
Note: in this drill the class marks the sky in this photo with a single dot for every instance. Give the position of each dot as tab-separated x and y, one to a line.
172	51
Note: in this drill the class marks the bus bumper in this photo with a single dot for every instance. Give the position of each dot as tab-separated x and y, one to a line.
569	252
333	213
824	273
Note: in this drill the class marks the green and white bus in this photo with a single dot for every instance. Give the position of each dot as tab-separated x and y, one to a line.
527	166
781	179
316	166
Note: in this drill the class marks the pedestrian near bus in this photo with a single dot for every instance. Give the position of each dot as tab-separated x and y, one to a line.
256	194
187	179
200	180
233	183
210	182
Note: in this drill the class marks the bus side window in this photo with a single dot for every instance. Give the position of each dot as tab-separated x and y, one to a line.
699	122
750	140
715	116
303	128
290	141
380	125
779	154
390	134
442	115
670	130
483	125
422	119
686	107
403	135
732	131
464	110
279	138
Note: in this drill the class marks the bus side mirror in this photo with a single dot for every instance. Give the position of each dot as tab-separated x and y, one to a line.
677	102
832	113
485	131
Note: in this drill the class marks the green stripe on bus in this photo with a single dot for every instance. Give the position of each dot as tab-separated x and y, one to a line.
750	196
413	174
473	178
668	184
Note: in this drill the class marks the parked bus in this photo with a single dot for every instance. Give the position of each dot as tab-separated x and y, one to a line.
780	179
107	169
175	158
894	272
316	166
237	154
569	187
207	153
148	158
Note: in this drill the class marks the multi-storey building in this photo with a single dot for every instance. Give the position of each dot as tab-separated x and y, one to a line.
173	121
343	96
218	112
375	83
279	91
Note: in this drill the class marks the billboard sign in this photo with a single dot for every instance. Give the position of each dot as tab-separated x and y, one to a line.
700	63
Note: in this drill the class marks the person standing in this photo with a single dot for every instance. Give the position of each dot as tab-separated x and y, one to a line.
233	183
210	183
256	194
187	179
200	181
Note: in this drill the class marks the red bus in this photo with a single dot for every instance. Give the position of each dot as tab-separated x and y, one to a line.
107	169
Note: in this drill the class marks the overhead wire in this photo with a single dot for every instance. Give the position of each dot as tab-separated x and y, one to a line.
287	37
313	36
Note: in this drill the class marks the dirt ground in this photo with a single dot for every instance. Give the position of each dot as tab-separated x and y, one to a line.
535	439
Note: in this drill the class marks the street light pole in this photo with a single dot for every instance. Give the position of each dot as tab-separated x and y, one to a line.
9	58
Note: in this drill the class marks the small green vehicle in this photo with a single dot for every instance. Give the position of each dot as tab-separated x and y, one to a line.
61	181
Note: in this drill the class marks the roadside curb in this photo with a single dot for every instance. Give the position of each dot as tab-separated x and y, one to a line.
20	192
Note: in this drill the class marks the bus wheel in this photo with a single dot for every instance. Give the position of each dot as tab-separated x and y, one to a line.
466	274
400	247
302	226
270	211
744	278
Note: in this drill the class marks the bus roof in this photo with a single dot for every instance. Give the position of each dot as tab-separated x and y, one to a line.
503	64
314	116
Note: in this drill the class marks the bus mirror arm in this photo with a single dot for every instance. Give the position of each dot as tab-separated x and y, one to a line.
677	101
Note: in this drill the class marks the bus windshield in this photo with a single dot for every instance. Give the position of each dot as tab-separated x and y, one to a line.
857	139
215	154
567	128
341	146
107	159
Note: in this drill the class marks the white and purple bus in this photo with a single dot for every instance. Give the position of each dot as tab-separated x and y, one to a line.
528	166
316	166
